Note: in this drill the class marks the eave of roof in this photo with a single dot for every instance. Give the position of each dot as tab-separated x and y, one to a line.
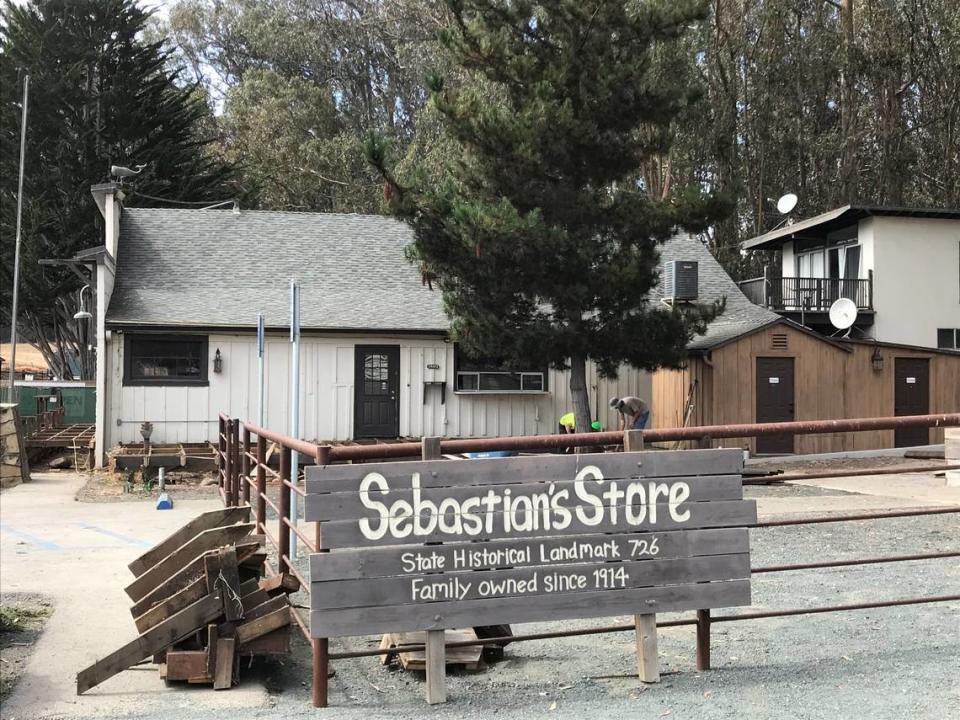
840	217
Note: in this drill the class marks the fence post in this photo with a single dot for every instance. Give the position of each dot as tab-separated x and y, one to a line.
320	647
261	515
648	667
436	651
245	467
283	539
221	453
228	465
703	639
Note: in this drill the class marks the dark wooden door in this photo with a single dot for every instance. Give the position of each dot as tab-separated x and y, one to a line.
377	391
911	396
775	401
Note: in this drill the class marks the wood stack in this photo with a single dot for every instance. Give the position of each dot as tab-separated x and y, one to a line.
201	602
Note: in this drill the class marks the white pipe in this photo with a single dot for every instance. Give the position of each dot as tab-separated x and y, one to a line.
160	477
261	340
294	404
16	252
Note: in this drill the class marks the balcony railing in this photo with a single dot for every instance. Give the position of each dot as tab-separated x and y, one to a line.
795	294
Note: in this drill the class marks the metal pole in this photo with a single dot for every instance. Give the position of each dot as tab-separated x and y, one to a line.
16	252
260	348
294	403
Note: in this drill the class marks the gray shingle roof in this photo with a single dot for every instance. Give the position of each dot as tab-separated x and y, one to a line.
217	268
214	268
740	315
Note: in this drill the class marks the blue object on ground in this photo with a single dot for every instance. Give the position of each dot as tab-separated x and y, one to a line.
491	454
164	502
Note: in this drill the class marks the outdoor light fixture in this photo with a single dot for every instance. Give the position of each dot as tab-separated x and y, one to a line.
82	313
876	359
217	362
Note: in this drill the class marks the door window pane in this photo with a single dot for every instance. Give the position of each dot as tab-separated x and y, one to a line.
376	375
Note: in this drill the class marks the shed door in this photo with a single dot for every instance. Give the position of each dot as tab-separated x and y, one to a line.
775	401
377	391
911	396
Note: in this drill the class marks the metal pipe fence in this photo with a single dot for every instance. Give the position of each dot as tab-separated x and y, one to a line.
244	468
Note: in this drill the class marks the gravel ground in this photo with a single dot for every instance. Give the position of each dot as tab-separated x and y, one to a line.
889	663
16	644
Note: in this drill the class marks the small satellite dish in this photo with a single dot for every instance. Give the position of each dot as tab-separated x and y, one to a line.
787	203
843	313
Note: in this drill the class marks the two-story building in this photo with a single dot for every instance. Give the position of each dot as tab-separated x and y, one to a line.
900	267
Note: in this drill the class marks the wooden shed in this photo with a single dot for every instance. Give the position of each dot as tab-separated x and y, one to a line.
781	371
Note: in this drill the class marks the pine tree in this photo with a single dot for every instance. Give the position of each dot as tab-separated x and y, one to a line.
99	95
541	235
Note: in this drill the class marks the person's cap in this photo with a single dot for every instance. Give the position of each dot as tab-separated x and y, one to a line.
614	401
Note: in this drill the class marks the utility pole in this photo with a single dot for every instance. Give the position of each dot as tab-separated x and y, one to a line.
16	252
294	404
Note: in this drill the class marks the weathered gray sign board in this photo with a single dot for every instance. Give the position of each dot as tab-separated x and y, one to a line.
440	544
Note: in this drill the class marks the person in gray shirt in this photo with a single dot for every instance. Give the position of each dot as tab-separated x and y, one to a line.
634	412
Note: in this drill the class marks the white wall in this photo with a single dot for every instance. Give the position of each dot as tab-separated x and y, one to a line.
916	279
788	265
189	414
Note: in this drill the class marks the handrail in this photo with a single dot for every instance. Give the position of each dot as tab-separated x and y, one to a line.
596	439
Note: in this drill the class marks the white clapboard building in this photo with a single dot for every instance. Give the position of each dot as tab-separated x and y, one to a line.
177	298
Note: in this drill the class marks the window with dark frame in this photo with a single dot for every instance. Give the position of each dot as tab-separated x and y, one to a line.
492	375
165	359
948	338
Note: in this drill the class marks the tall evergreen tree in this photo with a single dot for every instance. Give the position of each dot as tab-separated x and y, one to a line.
99	95
542	235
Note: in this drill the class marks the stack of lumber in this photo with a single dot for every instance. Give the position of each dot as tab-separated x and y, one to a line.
201	602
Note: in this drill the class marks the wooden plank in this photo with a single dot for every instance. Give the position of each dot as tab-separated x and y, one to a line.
351	504
262	625
212	636
184	555
580	519
265	608
187	665
276	642
402	559
204	521
648	664
436	667
282	582
252	599
230	578
420	591
673	598
495	471
183	578
174	604
223	678
162	635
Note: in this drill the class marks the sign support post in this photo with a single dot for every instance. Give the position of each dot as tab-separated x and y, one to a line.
435	647
648	667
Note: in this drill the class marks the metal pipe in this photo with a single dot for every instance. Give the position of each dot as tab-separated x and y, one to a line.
16	253
862	516
261	341
294	400
301	446
835	608
597	439
860	561
767	479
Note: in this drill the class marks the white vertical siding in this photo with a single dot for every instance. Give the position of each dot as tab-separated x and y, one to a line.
189	414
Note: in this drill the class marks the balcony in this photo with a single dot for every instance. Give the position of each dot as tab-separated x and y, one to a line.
808	296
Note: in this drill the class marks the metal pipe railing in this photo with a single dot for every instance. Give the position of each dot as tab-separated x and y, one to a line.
235	463
597	439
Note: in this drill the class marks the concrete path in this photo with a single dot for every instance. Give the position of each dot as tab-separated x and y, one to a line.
76	555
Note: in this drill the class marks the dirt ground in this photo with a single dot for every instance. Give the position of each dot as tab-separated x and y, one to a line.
118	487
22	617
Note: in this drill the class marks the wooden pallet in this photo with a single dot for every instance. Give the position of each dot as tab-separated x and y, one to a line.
470	657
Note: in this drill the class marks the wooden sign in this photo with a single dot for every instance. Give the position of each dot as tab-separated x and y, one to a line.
441	544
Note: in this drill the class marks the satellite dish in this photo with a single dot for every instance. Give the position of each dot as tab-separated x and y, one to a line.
843	313
787	203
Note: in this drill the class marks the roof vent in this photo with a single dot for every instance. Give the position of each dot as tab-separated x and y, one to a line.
778	341
680	280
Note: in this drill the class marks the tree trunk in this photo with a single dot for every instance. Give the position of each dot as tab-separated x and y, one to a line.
848	178
579	394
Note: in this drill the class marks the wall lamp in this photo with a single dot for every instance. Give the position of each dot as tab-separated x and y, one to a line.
876	360
217	362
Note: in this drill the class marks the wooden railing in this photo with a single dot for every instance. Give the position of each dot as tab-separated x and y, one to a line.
797	294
